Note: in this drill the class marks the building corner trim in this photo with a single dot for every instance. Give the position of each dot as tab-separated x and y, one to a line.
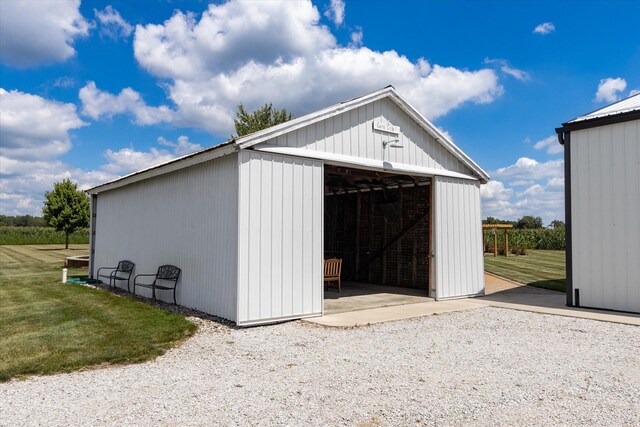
566	137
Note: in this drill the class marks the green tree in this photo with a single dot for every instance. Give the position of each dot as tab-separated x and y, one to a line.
66	208
262	118
556	224
529	221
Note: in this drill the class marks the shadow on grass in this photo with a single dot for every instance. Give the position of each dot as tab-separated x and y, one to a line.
558	285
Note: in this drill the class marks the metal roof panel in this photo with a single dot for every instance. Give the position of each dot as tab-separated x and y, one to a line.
626	105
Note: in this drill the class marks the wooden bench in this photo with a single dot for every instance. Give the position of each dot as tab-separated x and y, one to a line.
332	271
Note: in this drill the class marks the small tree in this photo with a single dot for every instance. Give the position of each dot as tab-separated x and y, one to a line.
556	224
529	221
264	117
66	208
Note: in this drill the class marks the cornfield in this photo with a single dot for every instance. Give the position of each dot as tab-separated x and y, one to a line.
540	238
39	236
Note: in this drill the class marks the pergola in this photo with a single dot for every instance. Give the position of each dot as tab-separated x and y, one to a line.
495	227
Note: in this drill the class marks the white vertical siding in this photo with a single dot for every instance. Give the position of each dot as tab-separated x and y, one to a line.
459	262
605	215
351	134
187	218
280	237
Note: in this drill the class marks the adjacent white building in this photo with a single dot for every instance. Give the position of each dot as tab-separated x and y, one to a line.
369	180
602	204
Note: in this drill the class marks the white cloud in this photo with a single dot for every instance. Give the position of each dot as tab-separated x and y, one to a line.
543	195
64	82
526	168
634	92
39	32
521	183
98	104
609	89
127	160
112	24
356	38
35	132
32	127
556	182
508	69
535	190
30	178
257	52
495	190
336	12
545	28
24	193
551	145
182	147
231	35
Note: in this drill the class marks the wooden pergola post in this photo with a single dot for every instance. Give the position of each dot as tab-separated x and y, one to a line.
494	228
506	242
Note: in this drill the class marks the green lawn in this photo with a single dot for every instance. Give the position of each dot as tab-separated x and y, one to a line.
48	327
543	269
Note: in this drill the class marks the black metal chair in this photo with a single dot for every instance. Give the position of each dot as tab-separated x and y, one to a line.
122	272
166	274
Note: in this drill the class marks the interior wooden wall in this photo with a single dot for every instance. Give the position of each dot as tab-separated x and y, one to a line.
358	231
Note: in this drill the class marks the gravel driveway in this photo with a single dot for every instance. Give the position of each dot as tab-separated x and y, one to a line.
486	366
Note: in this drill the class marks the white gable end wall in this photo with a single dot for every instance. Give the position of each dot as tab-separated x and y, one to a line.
187	218
350	135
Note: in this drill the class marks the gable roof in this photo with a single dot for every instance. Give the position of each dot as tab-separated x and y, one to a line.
620	111
342	107
249	140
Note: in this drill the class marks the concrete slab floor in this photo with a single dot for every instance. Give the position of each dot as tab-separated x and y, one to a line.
356	308
360	296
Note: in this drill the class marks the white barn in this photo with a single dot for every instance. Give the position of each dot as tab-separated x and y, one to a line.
250	221
602	206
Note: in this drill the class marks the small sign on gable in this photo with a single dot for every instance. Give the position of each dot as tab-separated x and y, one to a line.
384	127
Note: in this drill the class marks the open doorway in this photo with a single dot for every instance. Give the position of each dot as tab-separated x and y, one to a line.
379	225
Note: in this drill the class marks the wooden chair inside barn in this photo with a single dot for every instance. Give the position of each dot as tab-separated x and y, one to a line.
332	271
122	272
165	279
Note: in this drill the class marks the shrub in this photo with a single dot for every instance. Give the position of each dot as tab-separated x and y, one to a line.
518	250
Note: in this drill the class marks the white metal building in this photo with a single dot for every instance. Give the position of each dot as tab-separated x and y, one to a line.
602	204
247	222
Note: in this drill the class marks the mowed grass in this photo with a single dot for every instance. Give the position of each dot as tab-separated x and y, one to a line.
543	269
48	327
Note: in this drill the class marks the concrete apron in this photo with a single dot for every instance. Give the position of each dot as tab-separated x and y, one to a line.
501	293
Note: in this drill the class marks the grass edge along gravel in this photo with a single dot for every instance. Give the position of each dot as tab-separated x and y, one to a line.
48	327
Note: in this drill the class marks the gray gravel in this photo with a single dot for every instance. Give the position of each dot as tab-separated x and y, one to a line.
487	366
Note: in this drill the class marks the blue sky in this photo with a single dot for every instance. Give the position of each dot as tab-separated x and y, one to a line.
96	90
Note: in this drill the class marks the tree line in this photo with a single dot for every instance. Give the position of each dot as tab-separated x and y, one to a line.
22	221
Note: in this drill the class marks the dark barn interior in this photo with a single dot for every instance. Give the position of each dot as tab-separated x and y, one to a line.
378	224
